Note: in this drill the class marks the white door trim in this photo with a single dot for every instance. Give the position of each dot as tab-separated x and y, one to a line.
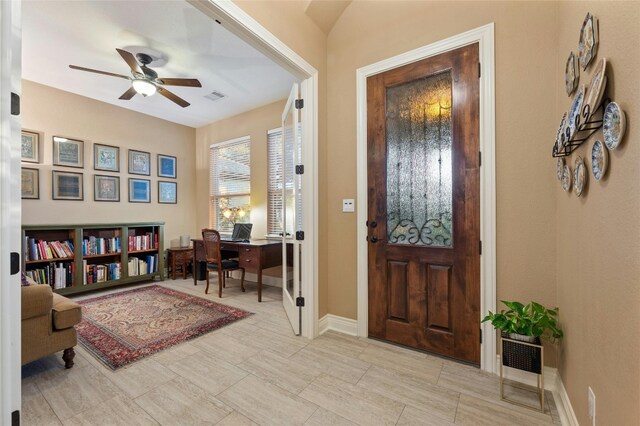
484	36
244	26
10	210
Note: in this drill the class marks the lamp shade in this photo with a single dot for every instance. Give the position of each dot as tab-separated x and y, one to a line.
144	87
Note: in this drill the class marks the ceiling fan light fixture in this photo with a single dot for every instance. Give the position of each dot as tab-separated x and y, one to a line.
144	87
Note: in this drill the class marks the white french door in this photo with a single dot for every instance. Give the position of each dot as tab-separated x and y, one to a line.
10	211
292	214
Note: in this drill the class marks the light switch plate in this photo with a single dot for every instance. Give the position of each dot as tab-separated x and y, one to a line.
348	205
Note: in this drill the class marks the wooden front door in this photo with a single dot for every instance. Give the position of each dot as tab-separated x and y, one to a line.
424	204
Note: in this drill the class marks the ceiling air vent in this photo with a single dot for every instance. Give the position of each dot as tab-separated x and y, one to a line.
215	96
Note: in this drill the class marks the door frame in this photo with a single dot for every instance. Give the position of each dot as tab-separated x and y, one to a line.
248	29
484	36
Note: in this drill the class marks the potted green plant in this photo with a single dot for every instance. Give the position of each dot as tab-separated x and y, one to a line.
521	321
528	323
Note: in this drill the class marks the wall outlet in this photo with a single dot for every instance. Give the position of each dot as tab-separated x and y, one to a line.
592	406
348	205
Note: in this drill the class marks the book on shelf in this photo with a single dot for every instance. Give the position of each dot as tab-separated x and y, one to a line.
45	250
149	241
92	246
57	275
143	265
100	272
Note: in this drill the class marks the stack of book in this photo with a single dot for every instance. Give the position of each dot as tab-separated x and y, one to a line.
101	273
43	250
58	275
92	246
144	265
143	242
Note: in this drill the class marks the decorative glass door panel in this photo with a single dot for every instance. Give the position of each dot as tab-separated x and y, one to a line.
419	175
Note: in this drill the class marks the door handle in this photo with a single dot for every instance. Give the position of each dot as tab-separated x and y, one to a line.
373	239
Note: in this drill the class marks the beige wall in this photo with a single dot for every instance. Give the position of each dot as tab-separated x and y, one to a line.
255	124
598	234
52	112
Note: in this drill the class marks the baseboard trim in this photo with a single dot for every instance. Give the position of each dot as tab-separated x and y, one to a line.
339	324
563	404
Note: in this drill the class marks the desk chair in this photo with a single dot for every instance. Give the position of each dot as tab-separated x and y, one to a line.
215	262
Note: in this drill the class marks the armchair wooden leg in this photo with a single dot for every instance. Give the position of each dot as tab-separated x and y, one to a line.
242	280
220	283
67	357
206	290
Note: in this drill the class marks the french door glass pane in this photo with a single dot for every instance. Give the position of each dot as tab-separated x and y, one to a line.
419	162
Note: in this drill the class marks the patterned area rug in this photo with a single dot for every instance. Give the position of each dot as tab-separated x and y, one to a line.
124	327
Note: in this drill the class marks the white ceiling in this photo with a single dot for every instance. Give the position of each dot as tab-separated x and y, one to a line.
86	33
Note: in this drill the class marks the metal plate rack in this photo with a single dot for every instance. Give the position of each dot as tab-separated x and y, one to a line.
592	123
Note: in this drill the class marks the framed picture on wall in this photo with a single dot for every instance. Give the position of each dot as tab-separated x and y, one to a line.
167	192
67	186
139	190
106	157
139	162
68	152
30	183
29	143
167	166
106	188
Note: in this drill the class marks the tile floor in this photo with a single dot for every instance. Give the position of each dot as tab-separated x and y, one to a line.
256	371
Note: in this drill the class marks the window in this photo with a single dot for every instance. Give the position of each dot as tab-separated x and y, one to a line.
230	183
275	176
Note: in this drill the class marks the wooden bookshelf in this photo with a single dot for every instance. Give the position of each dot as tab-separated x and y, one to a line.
98	249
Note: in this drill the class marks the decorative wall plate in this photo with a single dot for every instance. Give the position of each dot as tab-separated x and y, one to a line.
566	178
571	74
588	44
597	86
599	159
579	176
559	168
560	133
574	112
614	125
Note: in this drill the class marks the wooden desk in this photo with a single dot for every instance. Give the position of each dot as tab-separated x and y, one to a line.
254	256
179	256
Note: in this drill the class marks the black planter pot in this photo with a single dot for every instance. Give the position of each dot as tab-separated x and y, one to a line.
520	355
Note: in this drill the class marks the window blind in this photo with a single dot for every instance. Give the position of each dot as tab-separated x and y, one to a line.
229	181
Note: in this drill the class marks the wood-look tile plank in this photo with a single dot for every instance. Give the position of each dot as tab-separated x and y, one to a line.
411	416
70	392
400	360
181	402
211	374
175	354
480	412
225	347
236	419
282	345
344	345
118	411
355	403
285	373
35	408
411	390
267	404
140	377
336	365
324	417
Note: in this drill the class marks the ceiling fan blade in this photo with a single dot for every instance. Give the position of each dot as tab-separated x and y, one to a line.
189	82
130	60
75	67
173	97
128	94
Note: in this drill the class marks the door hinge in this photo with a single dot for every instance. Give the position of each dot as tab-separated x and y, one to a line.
299	103
15	104
300	169
479	70
300	235
15	263
15	418
481	336
481	247
300	301
479	159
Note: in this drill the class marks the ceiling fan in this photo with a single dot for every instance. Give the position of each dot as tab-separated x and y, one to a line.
144	80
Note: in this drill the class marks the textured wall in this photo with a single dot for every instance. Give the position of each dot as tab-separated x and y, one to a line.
598	234
53	112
